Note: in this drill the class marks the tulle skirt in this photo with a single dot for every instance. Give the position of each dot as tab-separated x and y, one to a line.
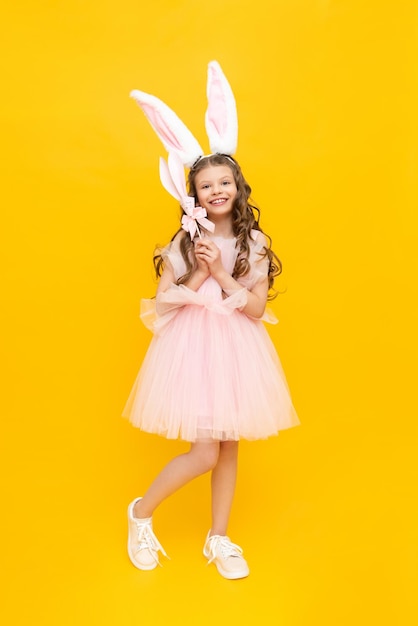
211	376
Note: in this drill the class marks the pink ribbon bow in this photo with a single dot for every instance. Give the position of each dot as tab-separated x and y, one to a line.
194	215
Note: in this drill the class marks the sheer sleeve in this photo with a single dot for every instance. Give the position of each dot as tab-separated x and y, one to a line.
173	256
259	263
258	259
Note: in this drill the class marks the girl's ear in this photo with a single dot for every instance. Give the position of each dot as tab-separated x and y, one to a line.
175	136
221	115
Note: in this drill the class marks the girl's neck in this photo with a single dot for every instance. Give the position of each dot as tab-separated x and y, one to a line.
223	228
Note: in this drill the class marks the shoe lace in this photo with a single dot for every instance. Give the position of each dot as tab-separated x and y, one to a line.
223	545
146	540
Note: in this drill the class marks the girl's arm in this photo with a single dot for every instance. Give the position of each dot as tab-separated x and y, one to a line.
256	298
208	252
165	303
196	279
167	279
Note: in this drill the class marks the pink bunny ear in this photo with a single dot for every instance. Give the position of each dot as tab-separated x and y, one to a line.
174	135
221	115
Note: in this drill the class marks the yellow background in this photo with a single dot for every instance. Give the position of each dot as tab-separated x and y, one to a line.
327	99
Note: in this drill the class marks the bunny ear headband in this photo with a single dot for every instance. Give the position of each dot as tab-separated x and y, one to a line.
222	130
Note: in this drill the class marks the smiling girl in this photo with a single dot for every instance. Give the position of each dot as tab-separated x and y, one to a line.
211	375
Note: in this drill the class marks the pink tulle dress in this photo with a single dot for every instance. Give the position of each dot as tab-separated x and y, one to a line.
211	372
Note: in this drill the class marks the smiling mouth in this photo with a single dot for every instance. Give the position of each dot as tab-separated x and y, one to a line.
218	201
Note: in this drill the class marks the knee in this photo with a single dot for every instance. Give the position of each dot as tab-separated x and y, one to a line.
228	449
206	455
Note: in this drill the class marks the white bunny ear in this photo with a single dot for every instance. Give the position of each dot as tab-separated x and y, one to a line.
173	180
176	169
169	128
221	115
167	181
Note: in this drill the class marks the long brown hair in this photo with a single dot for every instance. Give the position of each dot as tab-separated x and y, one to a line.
245	217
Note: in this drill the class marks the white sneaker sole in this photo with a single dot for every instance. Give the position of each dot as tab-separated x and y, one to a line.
232	575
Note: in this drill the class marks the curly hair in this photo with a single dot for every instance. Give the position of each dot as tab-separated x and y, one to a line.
245	218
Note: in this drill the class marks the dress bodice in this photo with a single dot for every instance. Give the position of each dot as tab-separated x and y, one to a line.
158	312
258	261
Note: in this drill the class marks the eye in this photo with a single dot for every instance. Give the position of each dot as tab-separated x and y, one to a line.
205	186
226	182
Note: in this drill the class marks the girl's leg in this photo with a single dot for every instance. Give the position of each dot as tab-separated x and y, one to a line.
224	477
218	549
202	457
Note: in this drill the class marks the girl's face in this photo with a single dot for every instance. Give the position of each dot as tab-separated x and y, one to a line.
216	190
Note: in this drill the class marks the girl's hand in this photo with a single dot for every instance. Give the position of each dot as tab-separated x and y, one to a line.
202	266
208	254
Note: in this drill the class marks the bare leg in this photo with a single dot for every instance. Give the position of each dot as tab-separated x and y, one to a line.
201	458
224	477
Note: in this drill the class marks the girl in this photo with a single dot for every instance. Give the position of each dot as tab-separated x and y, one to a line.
211	375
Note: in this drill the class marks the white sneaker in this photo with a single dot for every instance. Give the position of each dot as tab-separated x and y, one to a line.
227	557
143	545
